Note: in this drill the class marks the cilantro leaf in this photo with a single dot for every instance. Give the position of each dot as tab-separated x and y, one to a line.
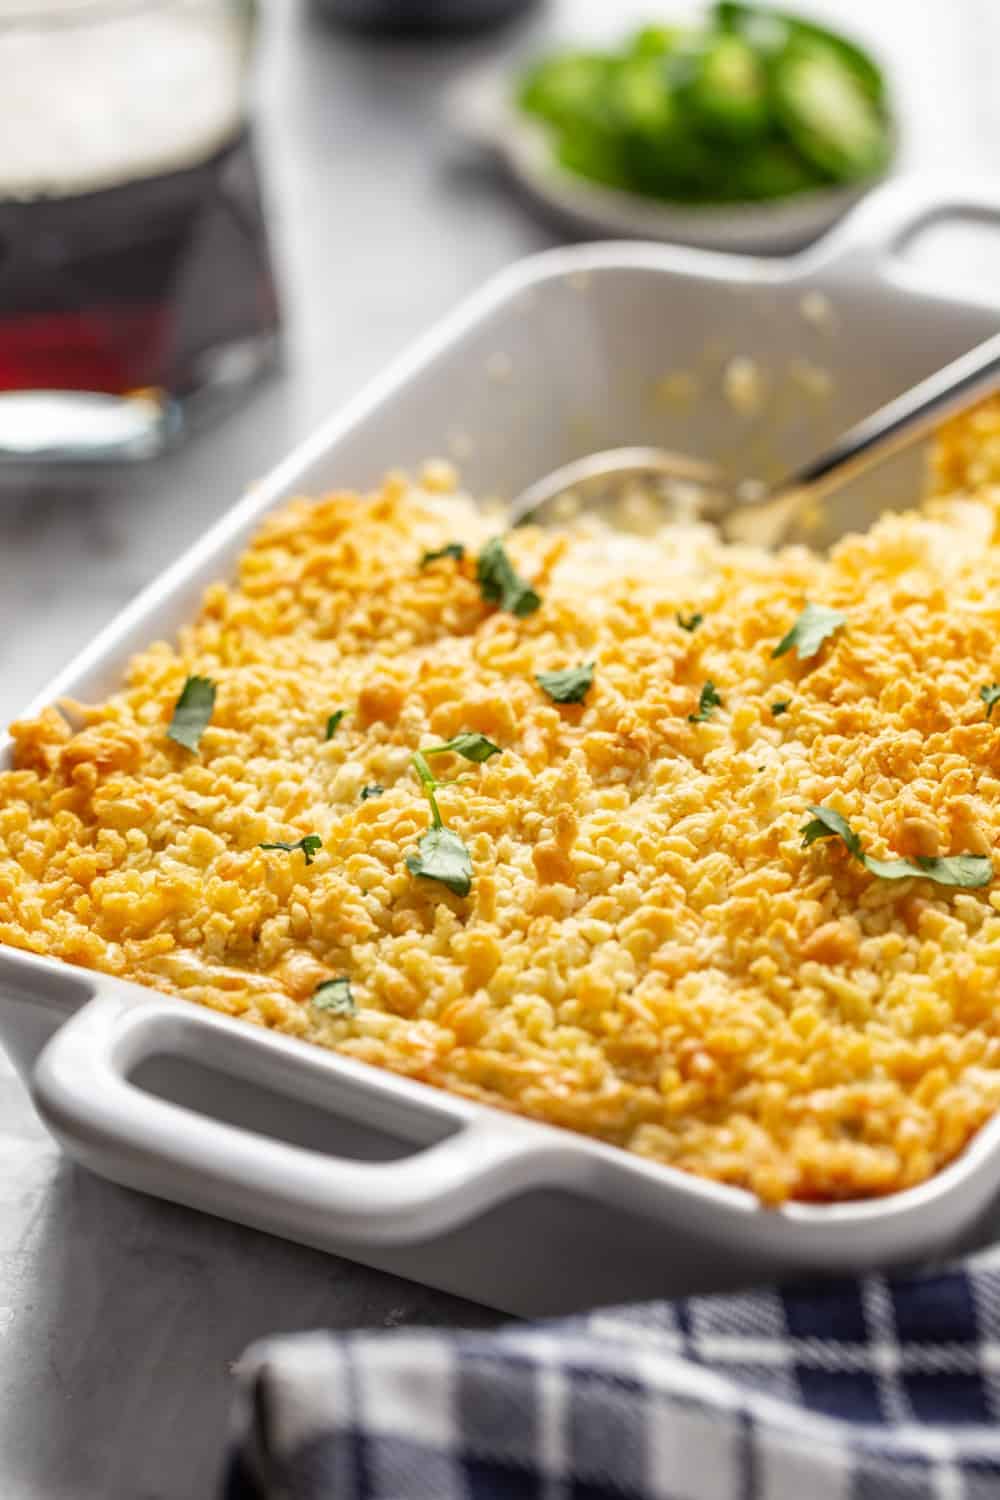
707	700
691	623
309	845
452	549
192	712
810	630
568	686
468	744
781	707
334	995
968	871
441	855
826	824
333	723
500	584
372	790
429	782
990	695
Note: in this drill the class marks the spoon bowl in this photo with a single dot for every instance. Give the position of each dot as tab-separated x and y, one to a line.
639	489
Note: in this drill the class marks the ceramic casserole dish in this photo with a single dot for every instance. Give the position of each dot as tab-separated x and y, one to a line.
572	350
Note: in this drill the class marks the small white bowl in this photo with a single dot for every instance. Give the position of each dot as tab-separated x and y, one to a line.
481	109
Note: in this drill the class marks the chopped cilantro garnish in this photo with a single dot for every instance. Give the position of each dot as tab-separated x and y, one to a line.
571	685
372	790
500	584
690	623
468	744
708	699
452	549
781	707
428	781
333	723
967	871
827	823
441	855
192	712
309	845
810	630
334	995
990	695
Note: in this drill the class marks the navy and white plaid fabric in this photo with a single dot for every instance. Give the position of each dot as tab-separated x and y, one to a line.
877	1389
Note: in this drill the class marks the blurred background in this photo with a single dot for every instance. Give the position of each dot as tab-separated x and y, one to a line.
316	193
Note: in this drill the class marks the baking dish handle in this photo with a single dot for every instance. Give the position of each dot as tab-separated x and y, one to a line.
83	1090
872	235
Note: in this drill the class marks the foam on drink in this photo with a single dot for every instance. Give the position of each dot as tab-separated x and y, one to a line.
121	92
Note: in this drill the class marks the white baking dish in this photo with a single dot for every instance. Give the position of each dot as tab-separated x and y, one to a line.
561	353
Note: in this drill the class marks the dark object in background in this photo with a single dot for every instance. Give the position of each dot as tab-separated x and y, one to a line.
421	17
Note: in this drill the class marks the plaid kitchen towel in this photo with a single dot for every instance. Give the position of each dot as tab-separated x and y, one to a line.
875	1389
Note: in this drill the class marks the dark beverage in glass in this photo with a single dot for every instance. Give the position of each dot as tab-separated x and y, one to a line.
422	17
134	260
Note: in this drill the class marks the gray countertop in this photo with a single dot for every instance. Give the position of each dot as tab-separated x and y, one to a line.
120	1315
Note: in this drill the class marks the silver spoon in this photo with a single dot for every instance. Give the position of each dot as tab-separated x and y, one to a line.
750	510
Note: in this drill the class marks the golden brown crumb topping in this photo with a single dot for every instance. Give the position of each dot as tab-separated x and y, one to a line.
647	953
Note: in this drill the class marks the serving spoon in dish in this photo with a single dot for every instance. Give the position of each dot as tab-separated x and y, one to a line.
749	510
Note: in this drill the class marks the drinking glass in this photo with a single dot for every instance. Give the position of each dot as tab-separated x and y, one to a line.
136	285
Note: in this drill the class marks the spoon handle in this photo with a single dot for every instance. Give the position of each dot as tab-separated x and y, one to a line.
902	421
